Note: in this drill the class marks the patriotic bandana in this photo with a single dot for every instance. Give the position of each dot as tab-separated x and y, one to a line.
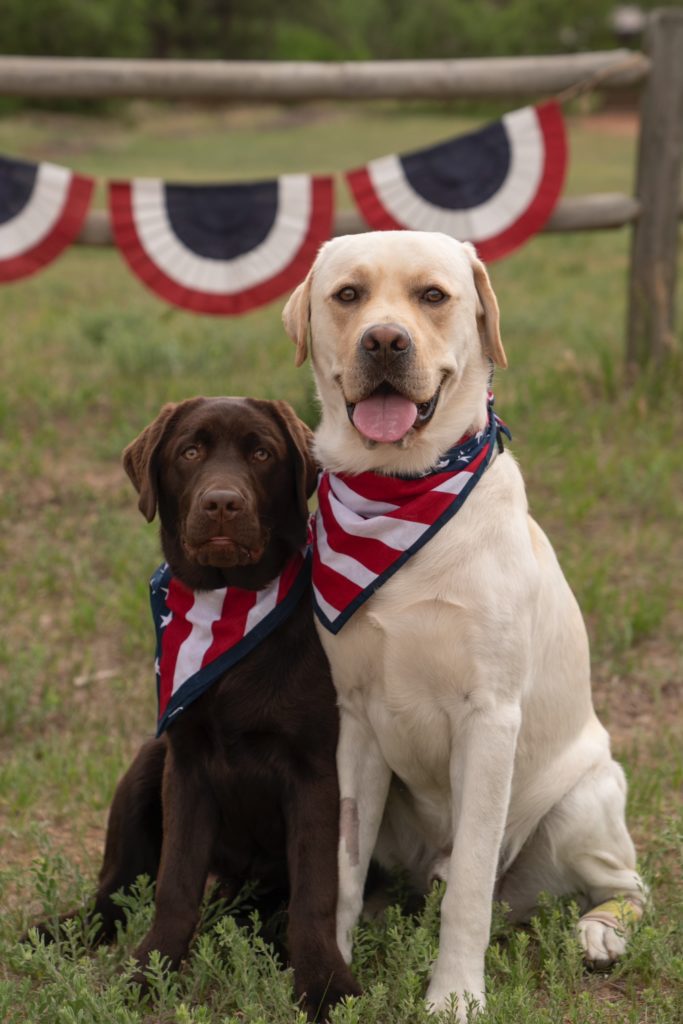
203	633
368	525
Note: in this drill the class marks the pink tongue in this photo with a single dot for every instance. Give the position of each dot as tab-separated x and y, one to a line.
384	417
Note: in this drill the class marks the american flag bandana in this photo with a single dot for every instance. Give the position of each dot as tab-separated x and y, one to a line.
368	525
202	633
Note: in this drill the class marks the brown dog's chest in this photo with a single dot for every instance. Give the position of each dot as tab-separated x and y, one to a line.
282	688
251	736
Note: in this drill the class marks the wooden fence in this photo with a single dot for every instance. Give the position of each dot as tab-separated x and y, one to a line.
653	211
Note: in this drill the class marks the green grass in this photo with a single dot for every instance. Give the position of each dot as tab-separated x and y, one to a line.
88	357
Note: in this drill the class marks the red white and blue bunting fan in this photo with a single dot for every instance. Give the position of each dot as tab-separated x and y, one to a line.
495	187
221	249
42	209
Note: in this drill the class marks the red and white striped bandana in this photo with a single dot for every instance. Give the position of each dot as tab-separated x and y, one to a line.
368	525
203	633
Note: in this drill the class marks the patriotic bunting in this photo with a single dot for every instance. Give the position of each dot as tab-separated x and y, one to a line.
227	248
221	249
495	187
42	209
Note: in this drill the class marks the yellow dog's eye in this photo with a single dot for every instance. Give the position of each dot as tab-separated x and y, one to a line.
347	294
433	295
191	452
260	454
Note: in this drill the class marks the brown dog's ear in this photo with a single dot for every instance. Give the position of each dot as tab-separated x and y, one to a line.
488	321
139	460
296	316
300	440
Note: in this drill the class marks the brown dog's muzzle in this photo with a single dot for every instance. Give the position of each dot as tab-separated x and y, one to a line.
223	528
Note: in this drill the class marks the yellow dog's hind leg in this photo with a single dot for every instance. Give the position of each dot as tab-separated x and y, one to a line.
582	847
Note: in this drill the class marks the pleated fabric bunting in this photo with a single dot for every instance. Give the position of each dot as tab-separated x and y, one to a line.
221	249
494	187
42	209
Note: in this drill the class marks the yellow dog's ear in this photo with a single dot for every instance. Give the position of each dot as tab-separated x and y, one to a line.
488	317
296	316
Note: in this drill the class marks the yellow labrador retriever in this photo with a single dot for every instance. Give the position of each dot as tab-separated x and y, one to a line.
469	748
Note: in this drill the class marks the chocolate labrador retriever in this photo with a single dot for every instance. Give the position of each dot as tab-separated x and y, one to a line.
242	780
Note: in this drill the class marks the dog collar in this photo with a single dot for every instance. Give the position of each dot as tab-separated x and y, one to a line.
368	525
202	633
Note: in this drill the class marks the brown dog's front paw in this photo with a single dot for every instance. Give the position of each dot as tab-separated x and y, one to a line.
139	978
326	990
139	981
152	970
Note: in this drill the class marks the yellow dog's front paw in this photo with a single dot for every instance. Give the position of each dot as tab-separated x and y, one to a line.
467	1005
604	931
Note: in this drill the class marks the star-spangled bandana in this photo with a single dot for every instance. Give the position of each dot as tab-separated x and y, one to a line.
368	525
203	633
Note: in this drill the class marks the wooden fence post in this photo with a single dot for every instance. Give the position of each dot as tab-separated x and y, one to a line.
658	183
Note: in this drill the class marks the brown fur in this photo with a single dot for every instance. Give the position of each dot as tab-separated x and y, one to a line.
243	783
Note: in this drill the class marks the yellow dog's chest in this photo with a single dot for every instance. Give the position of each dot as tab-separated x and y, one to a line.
407	674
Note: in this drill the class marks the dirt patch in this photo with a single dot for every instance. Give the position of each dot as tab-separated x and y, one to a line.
641	702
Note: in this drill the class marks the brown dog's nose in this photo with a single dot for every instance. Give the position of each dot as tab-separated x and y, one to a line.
222	503
386	341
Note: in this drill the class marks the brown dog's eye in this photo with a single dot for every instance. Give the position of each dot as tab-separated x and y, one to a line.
260	454
433	295
347	294
191	452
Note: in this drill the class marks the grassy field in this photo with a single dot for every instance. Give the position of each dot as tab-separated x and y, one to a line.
88	357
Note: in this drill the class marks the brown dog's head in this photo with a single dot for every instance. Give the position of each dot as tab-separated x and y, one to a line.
230	478
403	326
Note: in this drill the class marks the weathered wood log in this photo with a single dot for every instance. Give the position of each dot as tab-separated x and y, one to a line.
278	81
577	213
650	335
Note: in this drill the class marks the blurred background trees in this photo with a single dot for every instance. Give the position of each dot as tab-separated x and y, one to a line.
304	29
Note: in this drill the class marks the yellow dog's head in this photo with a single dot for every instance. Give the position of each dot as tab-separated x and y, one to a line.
403	325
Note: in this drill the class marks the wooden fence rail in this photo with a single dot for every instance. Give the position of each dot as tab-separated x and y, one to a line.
289	81
577	213
653	212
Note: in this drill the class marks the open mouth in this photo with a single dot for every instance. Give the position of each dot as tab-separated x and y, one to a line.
386	415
